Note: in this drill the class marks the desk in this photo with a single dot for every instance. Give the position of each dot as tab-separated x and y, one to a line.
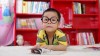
71	51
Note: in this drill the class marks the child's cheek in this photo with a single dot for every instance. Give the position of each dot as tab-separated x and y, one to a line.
44	25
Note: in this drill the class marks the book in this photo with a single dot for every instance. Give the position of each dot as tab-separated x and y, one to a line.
78	8
23	23
83	8
18	23
85	38
88	38
26	23
35	6
25	7
92	38
19	6
29	7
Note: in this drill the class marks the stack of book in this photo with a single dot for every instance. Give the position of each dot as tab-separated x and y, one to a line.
31	7
78	8
85	38
28	23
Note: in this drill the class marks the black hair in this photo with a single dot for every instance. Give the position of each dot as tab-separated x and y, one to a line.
53	10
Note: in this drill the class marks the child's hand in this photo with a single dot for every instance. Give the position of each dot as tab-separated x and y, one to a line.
47	47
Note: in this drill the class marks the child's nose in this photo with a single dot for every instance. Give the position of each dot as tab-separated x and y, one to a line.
49	22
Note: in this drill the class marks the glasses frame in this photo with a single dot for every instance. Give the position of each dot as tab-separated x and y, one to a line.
49	19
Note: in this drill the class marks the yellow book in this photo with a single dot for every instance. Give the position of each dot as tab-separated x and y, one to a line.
79	8
25	7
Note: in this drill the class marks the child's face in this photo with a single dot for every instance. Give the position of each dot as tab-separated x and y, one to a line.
50	21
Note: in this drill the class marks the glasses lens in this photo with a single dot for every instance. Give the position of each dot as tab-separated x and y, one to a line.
54	20
45	19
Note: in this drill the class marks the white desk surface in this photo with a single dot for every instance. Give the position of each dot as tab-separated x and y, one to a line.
71	51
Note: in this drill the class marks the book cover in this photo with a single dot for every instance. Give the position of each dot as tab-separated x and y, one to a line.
85	38
23	23
29	7
40	9
79	36
35	6
88	39
33	24
74	8
82	39
18	24
28	23
92	38
19	6
25	7
79	8
83	8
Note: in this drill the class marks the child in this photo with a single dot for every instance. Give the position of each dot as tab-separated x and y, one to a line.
50	37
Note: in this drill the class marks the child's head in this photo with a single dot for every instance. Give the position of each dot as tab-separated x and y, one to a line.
50	19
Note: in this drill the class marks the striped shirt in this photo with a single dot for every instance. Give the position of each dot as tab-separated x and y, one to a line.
58	38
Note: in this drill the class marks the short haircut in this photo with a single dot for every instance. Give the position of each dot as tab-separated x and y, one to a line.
53	10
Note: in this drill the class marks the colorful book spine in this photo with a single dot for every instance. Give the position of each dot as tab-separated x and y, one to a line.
78	8
35	7
19	6
25	7
88	38
29	7
40	10
23	23
85	38
92	38
27	23
83	8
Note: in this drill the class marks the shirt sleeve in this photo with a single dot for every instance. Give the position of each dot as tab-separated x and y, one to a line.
62	40
40	39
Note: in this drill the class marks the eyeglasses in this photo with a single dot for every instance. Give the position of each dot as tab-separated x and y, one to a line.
53	20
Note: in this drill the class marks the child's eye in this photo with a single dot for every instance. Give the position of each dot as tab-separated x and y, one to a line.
46	19
53	20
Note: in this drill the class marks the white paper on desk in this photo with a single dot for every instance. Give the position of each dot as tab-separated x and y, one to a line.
51	52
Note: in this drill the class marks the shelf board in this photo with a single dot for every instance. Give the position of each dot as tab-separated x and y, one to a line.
78	28
28	30
64	29
24	15
38	0
88	15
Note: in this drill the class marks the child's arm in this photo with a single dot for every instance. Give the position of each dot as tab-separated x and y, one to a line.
59	47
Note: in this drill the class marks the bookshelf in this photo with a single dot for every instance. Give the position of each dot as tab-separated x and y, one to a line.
29	34
86	19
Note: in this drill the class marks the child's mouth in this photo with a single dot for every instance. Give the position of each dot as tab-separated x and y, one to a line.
49	26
